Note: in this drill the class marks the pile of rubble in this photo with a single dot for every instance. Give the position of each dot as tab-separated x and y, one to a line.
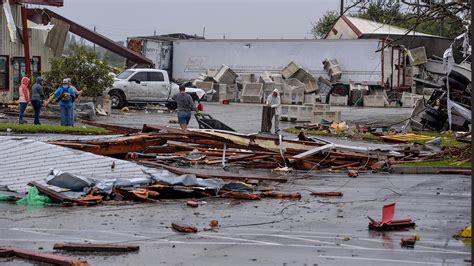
415	78
296	84
168	148
434	114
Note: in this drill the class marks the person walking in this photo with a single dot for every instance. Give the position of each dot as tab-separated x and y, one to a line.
37	98
185	107
24	98
66	96
273	100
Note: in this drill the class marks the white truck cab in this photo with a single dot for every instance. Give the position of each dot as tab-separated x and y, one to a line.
142	86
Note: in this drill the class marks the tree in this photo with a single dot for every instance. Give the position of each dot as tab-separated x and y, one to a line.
447	19
324	24
83	68
113	59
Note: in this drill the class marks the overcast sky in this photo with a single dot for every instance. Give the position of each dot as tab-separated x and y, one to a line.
118	19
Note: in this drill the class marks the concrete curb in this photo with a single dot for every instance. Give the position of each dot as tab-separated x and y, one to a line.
430	170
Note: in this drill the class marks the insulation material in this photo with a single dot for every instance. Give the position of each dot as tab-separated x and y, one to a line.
57	36
252	92
417	56
10	21
225	75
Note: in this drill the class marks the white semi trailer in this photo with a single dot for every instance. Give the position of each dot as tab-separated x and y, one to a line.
360	60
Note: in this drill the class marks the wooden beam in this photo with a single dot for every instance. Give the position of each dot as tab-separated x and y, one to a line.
45	257
95	247
210	174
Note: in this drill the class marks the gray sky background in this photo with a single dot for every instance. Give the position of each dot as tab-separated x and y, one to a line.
118	19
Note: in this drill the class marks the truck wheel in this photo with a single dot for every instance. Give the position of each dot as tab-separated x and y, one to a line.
116	99
171	105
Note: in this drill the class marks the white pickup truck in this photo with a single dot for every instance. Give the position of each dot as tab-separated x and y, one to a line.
143	86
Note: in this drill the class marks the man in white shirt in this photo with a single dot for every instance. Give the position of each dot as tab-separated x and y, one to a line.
273	100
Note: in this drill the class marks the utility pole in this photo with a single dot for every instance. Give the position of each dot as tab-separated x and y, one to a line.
94	43
26	41
342	7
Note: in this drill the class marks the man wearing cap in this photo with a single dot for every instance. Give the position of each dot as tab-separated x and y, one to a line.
273	100
66	96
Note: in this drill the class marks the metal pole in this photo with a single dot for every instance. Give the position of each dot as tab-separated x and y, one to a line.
26	41
391	69
223	155
383	62
398	69
342	7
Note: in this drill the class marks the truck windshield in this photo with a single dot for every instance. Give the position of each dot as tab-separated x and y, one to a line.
125	74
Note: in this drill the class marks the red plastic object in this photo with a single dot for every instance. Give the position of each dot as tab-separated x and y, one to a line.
388	212
200	107
387	223
225	101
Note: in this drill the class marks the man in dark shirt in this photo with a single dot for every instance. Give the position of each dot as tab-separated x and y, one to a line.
37	98
185	107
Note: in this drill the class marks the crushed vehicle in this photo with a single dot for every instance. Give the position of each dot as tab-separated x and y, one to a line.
146	86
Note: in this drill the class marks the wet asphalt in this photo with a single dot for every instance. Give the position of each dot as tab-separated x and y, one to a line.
311	231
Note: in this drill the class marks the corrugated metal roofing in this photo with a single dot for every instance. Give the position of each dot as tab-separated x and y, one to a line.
23	160
371	27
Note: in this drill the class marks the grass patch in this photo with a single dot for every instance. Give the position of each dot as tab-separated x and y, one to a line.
440	163
447	140
308	132
31	128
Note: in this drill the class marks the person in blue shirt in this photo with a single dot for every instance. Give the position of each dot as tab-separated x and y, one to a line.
66	96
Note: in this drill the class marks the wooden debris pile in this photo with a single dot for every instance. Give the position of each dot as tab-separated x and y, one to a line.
167	146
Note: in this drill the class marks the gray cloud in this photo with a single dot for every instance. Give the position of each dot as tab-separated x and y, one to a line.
119	19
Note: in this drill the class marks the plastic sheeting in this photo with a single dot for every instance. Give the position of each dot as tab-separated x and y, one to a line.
68	181
34	198
77	183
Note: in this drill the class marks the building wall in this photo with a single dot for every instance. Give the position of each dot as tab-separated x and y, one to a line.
37	40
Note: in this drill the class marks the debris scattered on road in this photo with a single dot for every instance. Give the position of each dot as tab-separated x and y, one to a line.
327	194
466	232
184	228
352	173
95	247
410	240
387	222
192	204
40	257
